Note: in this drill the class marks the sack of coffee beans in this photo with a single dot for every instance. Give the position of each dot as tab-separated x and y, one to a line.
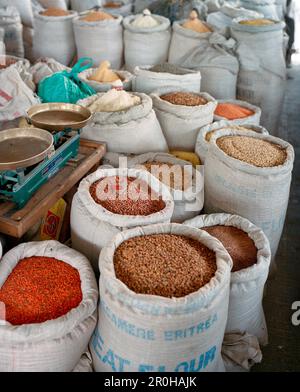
163	301
112	200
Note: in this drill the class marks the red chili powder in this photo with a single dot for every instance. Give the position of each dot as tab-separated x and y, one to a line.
126	196
40	289
232	111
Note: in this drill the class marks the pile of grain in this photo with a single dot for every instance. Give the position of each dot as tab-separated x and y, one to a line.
257	152
184	99
195	24
164	264
237	243
126	196
231	111
257	22
112	4
55	12
96	16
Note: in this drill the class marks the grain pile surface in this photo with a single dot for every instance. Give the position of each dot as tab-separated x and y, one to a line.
166	68
55	12
145	20
210	134
257	22
237	243
112	4
114	101
40	289
232	111
167	265
195	24
184	99
103	74
126	196
96	16
257	152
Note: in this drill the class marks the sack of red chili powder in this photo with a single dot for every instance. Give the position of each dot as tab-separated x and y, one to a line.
239	112
250	272
57	343
154	333
94	224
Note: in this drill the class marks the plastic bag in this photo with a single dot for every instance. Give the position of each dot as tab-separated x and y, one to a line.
66	86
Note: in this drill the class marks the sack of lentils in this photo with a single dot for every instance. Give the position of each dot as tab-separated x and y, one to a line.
54	36
249	175
50	296
239	112
184	181
146	39
163	301
148	79
112	200
181	114
249	249
125	121
208	51
99	35
206	133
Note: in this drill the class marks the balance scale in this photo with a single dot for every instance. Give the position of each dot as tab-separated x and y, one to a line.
29	157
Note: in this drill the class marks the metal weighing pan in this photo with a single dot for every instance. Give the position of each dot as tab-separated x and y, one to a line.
59	116
24	147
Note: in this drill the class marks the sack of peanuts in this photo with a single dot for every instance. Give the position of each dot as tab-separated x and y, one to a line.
185	182
50	296
99	35
85	365
149	79
250	252
124	77
146	45
261	80
181	114
112	200
83	5
10	22
206	133
127	122
163	301
24	8
54	36
249	174
239	112
210	53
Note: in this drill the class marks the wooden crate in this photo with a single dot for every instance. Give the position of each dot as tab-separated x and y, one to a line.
16	223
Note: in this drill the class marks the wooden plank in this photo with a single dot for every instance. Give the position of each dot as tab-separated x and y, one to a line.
5	207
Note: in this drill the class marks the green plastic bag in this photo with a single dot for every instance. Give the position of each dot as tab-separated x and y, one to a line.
65	86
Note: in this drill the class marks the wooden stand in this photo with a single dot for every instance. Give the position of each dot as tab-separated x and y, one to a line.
16	223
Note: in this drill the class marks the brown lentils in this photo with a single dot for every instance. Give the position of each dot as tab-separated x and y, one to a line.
167	265
257	152
55	12
184	99
126	196
237	243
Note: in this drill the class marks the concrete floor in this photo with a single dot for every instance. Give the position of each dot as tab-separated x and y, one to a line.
283	352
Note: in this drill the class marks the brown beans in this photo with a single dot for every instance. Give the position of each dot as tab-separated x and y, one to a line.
237	243
55	12
126	196
184	99
257	152
164	264
96	16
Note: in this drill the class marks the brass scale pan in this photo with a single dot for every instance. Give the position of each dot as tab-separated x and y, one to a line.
24	147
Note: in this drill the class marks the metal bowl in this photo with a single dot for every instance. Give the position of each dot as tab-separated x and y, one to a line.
24	147
57	117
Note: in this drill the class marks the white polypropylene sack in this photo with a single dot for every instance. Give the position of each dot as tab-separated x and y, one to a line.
15	96
181	124
187	203
266	7
147	81
55	345
258	194
253	119
10	21
2	44
202	145
153	333
146	46
54	37
126	78
46	67
54	4
92	226
101	40
261	80
23	67
245	312
85	365
135	130
211	54
124	10
83	5
24	8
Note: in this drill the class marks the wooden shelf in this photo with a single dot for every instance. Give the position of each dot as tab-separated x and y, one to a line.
16	223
